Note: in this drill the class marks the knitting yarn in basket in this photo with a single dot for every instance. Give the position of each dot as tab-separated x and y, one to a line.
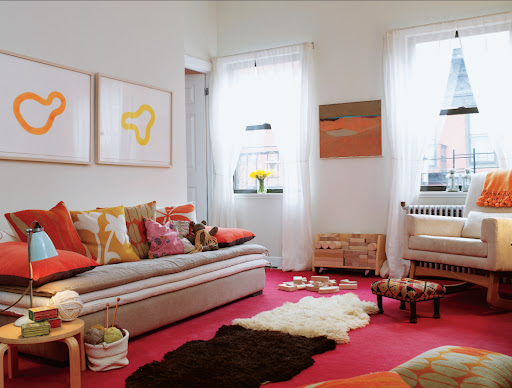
68	303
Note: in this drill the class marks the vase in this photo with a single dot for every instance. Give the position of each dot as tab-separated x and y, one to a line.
261	187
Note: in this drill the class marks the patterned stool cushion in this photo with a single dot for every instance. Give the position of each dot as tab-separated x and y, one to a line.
455	366
408	289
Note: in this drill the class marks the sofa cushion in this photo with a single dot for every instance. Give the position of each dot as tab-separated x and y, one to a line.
451	245
227	237
56	223
186	212
473	224
163	239
104	233
455	366
14	265
137	229
379	379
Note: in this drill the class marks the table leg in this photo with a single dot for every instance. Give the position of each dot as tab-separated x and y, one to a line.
379	303
436	308
12	360
3	349
402	305
74	361
413	312
80	338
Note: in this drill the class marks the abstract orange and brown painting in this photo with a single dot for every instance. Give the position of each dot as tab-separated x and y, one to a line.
351	129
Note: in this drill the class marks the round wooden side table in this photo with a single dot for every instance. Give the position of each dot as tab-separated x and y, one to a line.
71	333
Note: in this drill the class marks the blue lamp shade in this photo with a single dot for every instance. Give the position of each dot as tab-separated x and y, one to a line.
41	247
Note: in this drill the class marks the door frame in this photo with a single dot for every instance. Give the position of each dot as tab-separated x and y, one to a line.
205	67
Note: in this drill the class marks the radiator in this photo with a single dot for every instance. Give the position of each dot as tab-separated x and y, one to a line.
437	210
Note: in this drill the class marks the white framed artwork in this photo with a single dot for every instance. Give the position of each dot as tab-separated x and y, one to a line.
45	111
134	123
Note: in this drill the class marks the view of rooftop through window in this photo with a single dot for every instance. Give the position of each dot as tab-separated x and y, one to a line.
462	140
259	151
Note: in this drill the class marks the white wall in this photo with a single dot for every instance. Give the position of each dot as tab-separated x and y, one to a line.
348	195
139	41
201	29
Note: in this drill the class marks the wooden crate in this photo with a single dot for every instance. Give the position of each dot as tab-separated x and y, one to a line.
350	254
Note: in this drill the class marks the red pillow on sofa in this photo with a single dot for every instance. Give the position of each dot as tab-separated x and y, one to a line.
56	222
14	265
227	237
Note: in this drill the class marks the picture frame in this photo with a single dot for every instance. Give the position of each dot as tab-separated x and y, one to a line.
134	123
351	130
45	111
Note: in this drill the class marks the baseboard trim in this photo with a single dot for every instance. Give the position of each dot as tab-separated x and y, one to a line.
275	261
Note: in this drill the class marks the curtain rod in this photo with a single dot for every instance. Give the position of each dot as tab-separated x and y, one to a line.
273	48
451	21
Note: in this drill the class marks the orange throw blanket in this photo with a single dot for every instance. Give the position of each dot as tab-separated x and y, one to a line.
497	189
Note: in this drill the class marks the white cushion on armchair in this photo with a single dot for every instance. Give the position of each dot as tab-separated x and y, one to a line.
473	226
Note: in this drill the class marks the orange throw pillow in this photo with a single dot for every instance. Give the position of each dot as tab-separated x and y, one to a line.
136	229
56	222
227	237
14	265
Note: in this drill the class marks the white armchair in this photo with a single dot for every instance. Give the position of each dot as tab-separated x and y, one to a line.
475	249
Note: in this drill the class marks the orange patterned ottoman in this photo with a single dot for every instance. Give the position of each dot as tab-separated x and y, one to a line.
409	290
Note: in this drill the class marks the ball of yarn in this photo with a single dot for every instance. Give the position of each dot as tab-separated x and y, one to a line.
93	336
68	303
99	327
112	334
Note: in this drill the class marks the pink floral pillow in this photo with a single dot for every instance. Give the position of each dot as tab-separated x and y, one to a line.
163	239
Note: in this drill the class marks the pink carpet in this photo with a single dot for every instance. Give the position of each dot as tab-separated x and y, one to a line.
466	320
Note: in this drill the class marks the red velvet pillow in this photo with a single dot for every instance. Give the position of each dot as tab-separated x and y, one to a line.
14	265
227	237
56	222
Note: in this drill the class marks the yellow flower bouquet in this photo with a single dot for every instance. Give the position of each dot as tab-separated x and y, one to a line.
260	175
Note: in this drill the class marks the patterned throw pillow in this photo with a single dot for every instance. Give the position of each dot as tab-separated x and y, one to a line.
163	239
455	366
56	223
186	212
379	379
104	234
136	229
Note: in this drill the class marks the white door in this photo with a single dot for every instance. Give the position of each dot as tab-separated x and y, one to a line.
197	167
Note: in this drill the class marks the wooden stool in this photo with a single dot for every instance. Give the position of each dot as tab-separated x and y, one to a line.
71	333
409	290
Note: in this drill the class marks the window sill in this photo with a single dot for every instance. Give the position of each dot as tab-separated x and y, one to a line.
259	196
443	194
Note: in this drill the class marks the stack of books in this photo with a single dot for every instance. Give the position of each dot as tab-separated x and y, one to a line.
35	329
45	318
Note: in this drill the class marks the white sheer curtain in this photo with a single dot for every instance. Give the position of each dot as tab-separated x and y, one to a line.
416	69
487	50
286	77
230	113
277	90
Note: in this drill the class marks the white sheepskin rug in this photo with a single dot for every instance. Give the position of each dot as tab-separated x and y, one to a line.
311	317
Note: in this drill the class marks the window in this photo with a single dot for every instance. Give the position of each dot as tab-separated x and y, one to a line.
259	151
462	140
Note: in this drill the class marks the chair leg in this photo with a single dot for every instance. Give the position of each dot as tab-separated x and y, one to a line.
412	269
379	303
413	312
436	308
402	305
493	294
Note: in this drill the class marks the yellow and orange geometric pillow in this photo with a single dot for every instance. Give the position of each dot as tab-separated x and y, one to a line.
379	380
136	229
104	234
186	212
455	366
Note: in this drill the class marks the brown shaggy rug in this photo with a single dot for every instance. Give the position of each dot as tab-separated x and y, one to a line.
235	357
